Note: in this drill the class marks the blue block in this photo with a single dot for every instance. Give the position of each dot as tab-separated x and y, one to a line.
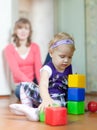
76	94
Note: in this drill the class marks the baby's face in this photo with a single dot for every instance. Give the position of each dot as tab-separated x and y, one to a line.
62	57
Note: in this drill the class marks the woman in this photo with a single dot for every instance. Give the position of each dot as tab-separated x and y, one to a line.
23	55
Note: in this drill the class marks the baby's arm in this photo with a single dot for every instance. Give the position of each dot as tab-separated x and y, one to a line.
44	93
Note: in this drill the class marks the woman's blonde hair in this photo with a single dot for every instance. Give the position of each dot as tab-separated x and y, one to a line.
22	22
61	36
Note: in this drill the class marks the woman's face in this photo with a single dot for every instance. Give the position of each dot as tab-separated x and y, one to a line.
23	32
62	57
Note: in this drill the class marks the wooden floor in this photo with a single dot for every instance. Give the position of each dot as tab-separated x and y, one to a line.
8	121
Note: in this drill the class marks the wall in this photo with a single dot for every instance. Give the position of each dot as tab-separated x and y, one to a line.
71	19
42	18
24	8
91	41
5	25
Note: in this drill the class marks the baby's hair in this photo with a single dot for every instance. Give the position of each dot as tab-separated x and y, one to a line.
61	36
22	22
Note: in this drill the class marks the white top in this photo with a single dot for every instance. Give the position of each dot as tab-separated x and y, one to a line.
47	68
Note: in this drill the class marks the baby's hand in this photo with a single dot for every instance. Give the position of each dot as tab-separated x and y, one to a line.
46	103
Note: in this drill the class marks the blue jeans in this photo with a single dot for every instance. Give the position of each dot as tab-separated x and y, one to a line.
17	91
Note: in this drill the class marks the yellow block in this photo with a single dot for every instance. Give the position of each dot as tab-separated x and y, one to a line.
76	81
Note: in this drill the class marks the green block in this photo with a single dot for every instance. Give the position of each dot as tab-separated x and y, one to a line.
76	107
41	116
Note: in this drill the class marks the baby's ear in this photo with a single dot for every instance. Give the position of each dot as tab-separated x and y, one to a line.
50	53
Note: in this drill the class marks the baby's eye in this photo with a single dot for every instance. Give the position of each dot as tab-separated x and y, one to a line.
62	56
70	57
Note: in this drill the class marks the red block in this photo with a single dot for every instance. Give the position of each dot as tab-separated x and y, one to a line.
56	115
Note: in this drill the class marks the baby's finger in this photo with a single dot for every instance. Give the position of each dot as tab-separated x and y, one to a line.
41	108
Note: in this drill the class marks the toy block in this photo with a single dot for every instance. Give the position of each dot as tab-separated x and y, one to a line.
56	116
76	94
42	113
41	116
76	107
76	80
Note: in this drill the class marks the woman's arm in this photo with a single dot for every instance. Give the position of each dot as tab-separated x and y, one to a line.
37	62
9	55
